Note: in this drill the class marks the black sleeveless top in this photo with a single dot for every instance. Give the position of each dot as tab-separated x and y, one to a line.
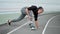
35	11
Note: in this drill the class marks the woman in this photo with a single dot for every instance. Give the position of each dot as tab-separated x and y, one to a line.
26	11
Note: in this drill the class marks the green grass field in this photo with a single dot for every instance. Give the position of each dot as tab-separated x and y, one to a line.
5	17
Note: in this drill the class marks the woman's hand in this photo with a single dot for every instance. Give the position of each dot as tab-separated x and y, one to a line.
29	17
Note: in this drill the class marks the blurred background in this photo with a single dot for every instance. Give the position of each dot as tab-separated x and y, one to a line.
10	9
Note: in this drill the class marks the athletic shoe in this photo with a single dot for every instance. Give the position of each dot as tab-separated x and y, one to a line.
9	23
33	28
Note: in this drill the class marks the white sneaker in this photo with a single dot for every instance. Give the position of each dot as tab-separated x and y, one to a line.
33	28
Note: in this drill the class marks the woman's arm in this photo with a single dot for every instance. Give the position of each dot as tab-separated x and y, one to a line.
27	12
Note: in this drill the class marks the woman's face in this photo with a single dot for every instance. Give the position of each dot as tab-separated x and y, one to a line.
40	11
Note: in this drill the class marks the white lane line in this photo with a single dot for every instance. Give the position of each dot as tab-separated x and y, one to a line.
18	27
47	24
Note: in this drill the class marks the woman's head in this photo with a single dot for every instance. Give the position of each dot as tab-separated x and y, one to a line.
40	10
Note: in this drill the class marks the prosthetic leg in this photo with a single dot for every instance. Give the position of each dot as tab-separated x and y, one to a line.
31	25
